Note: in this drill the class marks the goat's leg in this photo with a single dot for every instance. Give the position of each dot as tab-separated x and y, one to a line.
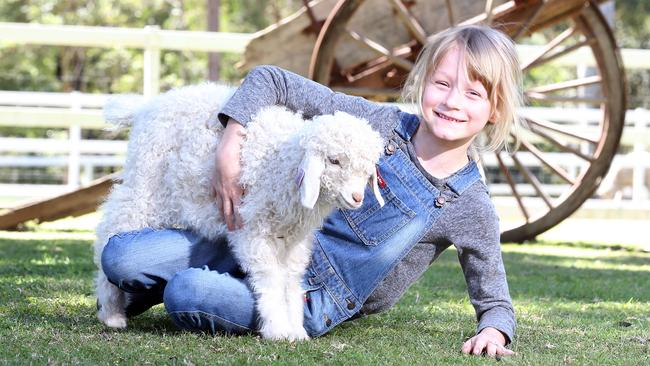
295	305
267	277
297	261
269	285
111	302
122	212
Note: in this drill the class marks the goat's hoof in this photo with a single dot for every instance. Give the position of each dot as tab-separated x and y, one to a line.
113	320
291	335
116	321
300	335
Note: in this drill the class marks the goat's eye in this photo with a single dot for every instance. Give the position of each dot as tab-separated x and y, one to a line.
334	161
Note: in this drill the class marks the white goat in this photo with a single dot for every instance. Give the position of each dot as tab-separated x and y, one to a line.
294	173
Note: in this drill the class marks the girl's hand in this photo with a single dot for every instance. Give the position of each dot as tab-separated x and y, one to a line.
225	177
490	341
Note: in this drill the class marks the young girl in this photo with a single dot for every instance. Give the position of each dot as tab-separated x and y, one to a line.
465	81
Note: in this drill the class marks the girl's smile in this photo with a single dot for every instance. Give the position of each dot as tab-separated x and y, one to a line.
448	118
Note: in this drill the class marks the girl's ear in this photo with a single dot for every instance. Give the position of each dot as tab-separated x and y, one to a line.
374	183
308	179
494	117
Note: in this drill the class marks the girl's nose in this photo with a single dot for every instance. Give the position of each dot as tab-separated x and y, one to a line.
453	98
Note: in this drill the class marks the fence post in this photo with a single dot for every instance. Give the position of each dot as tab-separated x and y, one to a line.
639	190
74	135
151	62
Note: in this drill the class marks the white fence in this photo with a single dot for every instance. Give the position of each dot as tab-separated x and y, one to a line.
76	111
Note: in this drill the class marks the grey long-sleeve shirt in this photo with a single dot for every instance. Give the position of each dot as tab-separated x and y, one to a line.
469	222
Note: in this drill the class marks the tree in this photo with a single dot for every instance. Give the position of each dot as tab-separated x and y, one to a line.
213	26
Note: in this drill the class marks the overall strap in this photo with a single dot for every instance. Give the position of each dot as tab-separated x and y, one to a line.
408	124
463	179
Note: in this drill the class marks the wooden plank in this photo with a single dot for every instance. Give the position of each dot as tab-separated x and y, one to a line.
51	117
111	37
286	44
79	202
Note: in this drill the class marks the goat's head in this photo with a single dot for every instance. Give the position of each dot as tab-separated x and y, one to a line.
340	153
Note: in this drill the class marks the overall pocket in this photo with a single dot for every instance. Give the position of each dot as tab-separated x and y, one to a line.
373	223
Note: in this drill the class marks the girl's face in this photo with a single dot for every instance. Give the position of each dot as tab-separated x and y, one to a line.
455	109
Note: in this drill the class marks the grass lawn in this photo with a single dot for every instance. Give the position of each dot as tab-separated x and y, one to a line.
577	303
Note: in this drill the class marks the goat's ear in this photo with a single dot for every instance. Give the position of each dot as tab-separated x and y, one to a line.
373	181
308	179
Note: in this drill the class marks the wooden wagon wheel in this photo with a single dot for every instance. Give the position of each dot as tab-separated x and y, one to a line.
370	54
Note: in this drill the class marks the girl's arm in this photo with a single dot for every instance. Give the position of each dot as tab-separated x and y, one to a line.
270	85
225	176
477	240
266	86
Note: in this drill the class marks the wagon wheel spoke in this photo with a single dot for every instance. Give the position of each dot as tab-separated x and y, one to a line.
409	20
560	129
489	11
559	39
380	65
524	26
587	42
559	98
450	13
369	68
513	186
569	84
562	146
532	180
380	50
551	165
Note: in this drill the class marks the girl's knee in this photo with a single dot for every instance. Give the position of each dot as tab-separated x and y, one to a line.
118	260
182	289
195	289
204	300
115	260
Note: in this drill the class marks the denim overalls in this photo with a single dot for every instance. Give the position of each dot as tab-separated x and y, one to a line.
353	252
356	249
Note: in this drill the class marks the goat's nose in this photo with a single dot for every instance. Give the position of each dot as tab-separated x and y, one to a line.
357	197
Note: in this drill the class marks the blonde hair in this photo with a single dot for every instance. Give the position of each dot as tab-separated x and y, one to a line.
490	58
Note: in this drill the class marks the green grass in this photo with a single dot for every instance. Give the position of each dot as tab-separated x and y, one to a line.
577	303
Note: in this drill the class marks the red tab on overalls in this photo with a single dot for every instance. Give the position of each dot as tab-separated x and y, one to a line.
380	180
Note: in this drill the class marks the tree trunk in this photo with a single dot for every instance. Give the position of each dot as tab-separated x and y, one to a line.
213	26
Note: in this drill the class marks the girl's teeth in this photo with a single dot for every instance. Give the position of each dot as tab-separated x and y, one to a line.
447	118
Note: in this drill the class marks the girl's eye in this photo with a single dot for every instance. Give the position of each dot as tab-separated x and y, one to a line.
474	93
334	161
442	83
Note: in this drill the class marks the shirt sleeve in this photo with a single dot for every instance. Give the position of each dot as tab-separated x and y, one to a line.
270	85
479	251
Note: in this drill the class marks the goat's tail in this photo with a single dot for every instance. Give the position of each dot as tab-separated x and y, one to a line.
120	110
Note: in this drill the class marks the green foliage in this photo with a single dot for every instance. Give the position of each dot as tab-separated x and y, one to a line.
632	30
632	23
577	303
99	70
